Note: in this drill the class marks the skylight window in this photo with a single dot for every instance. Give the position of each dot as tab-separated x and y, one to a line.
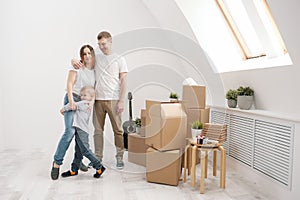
253	28
236	34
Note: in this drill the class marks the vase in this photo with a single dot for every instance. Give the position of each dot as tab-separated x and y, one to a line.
245	102
138	130
195	133
231	103
174	100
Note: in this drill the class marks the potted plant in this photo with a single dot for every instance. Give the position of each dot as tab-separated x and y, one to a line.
173	97
245	97
138	123
231	97
197	127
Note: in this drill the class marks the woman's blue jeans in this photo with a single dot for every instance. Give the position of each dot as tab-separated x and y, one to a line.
68	135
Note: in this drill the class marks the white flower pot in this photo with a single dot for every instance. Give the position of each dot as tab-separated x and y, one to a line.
195	133
231	103
174	100
245	102
138	130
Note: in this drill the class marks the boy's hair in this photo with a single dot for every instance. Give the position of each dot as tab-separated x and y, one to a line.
103	34
88	89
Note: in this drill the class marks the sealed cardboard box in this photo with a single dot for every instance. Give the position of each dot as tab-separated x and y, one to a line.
143	117
194	96
137	149
194	114
141	130
163	166
167	125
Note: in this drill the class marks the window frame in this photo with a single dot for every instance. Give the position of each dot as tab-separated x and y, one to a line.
234	30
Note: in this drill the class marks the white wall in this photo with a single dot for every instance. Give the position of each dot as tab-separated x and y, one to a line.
168	15
166	66
276	89
38	39
171	16
272	86
2	136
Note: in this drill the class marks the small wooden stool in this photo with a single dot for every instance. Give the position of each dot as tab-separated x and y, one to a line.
219	133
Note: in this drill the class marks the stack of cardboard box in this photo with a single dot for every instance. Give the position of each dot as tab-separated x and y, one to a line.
166	126
163	166
194	101
137	144
165	132
166	129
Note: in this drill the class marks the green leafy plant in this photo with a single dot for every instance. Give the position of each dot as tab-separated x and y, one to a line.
173	95
138	122
245	91
197	125
232	94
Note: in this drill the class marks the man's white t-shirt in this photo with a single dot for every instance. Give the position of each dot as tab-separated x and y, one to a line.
108	68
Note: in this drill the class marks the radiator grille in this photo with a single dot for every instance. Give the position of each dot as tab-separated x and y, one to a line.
264	145
241	138
272	150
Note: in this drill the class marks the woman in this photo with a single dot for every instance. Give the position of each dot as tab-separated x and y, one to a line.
77	78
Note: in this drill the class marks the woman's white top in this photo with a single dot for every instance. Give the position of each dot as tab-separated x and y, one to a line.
84	77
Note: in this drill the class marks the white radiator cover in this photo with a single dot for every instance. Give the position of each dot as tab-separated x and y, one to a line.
263	143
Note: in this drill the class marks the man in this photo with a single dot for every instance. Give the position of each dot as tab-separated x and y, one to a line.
111	71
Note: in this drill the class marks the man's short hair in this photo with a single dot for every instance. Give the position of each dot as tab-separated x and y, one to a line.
103	34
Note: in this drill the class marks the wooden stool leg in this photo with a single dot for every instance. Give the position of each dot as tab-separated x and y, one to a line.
202	178
206	163
193	169
185	163
222	167
189	158
214	163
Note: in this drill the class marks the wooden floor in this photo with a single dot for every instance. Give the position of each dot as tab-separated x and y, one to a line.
26	175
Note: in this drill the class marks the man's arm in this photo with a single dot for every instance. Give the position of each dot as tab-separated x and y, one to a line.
120	105
77	64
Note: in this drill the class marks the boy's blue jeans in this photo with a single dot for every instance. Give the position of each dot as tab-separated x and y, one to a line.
68	135
82	148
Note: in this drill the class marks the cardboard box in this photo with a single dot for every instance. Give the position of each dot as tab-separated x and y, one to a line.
141	131
143	117
167	125
194	114
163	166
194	96
137	149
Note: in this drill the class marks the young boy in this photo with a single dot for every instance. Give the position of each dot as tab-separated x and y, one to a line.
81	125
